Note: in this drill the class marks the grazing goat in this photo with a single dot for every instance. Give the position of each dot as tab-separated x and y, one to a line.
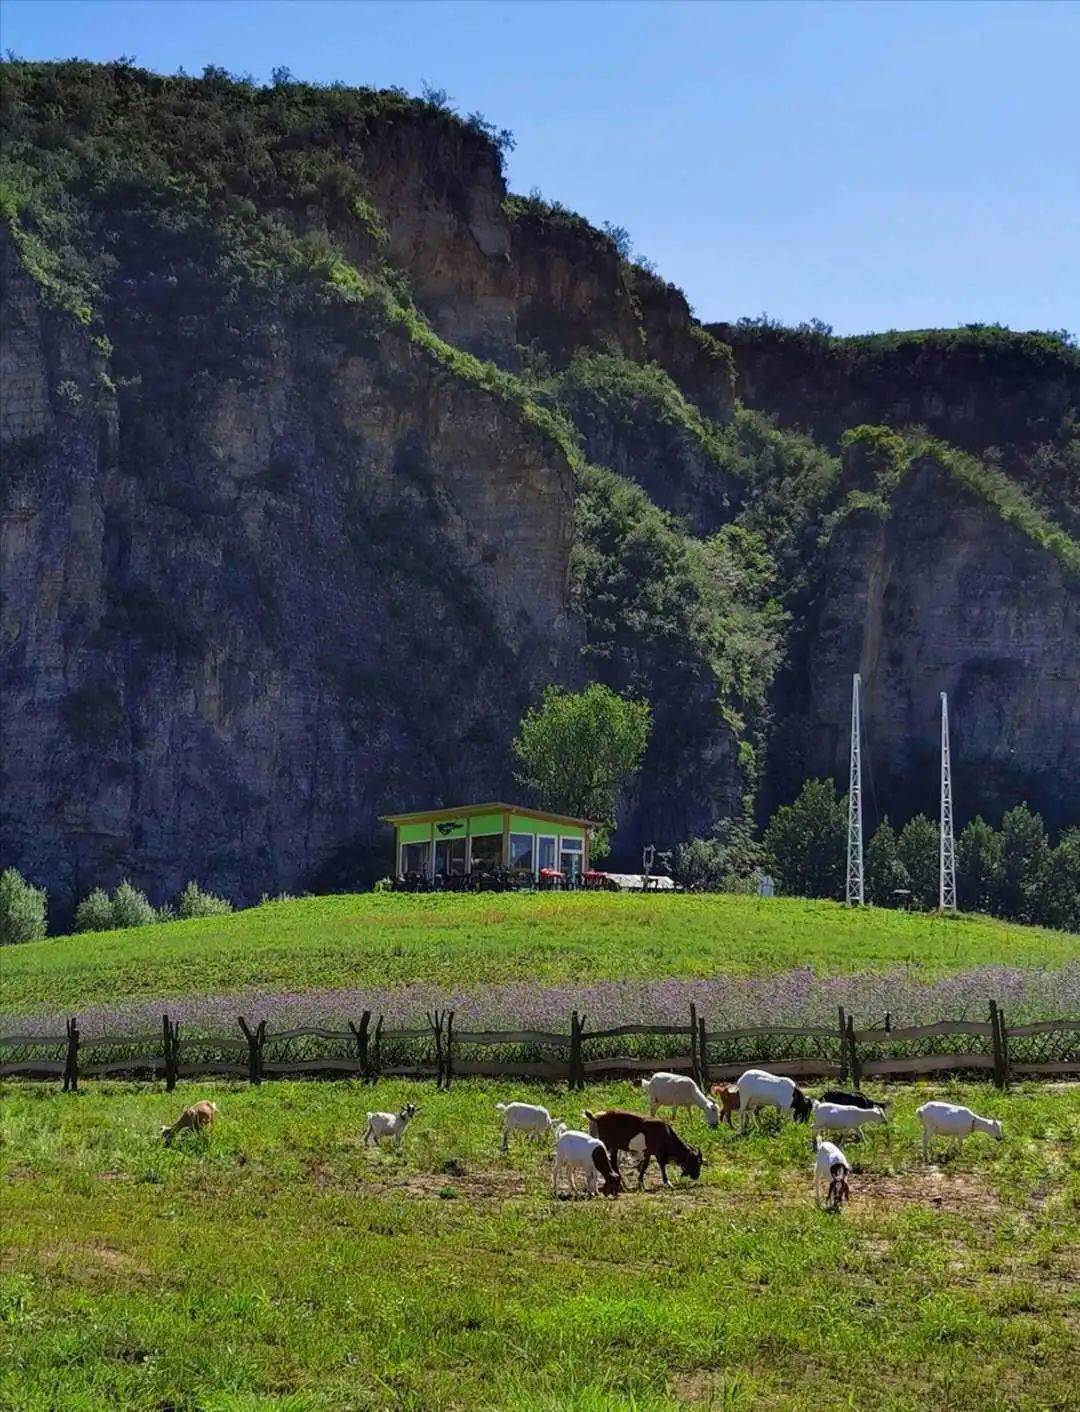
728	1094
527	1118
197	1119
622	1131
840	1118
677	1091
853	1100
579	1152
952	1121
759	1089
392	1125
830	1165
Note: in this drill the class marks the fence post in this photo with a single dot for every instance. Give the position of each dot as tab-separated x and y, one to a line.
995	1036
695	1066
1004	1038
449	1048
853	1054
171	1029
433	1023
703	1058
376	1062
71	1061
843	1044
361	1037
888	1019
575	1044
254	1039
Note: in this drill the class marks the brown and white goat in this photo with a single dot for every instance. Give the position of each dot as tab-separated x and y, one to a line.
196	1119
727	1096
623	1131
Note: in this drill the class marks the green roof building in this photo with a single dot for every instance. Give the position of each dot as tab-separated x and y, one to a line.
483	838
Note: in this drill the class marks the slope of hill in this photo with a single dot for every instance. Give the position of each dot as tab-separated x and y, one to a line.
324	453
379	941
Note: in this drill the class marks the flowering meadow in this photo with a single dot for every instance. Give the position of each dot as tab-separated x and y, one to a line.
799	996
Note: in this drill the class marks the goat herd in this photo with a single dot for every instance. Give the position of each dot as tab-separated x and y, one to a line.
596	1153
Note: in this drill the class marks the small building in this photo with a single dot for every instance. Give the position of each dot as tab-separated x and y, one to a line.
483	838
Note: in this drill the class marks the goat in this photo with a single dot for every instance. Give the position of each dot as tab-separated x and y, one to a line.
392	1125
831	1164
728	1094
677	1091
622	1131
579	1152
525	1118
759	1089
853	1100
197	1119
840	1118
952	1121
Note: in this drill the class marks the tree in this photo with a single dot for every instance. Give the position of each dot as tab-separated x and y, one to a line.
806	842
1024	850
885	873
579	750
1055	896
919	852
978	867
193	902
22	909
128	907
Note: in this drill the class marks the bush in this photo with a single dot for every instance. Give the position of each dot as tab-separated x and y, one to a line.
128	907
885	872
193	902
22	909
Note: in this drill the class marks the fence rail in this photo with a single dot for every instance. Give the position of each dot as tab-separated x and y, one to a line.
368	1051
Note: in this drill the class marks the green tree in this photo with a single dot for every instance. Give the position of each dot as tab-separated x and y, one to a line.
22	909
806	842
918	850
579	750
193	902
1056	895
978	867
885	873
127	907
1024	852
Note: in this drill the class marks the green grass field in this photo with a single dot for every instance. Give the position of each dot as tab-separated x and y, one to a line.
389	940
281	1266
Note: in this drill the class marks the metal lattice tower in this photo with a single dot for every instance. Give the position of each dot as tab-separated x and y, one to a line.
947	865
855	893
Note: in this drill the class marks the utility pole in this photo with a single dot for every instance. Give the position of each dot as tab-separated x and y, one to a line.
947	860
855	893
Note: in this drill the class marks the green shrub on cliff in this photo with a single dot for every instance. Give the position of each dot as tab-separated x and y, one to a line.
22	909
127	907
193	902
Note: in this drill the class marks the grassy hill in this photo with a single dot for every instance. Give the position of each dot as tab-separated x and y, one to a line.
392	940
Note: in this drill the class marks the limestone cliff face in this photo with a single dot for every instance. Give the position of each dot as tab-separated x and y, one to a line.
951	600
239	623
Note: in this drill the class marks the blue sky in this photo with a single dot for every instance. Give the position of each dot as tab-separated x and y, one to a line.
885	165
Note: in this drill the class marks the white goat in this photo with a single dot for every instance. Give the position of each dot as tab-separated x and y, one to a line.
392	1125
578	1152
842	1118
676	1091
760	1089
831	1171
950	1120
527	1118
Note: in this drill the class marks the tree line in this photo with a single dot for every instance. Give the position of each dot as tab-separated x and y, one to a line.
1013	872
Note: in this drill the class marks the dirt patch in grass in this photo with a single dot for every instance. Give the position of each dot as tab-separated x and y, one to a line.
946	1191
90	1260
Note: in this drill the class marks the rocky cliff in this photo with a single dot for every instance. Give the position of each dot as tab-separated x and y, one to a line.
322	455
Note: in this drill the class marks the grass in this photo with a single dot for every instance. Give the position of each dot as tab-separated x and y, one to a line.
385	940
281	1266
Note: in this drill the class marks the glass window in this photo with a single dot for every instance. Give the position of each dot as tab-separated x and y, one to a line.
450	857
546	848
487	853
570	857
416	857
521	850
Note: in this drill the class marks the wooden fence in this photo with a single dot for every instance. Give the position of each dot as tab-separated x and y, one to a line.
841	1052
